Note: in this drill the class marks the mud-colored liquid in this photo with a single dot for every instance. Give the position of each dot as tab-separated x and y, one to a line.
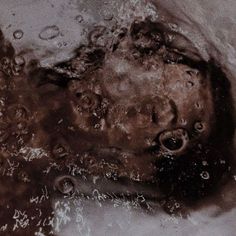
132	116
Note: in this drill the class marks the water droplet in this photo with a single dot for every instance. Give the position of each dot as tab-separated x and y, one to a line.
205	175
79	18
18	34
65	184
49	32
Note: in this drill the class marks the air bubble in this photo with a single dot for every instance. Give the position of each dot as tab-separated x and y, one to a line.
199	126
79	18
174	141
49	32
205	175
65	184
18	34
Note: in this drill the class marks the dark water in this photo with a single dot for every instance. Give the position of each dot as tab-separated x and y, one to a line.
135	127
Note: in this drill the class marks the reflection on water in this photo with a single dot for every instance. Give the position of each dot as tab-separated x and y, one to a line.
131	135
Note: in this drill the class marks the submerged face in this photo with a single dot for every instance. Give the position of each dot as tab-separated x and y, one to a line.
128	105
138	100
134	119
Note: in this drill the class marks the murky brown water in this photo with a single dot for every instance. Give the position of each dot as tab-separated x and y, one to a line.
135	126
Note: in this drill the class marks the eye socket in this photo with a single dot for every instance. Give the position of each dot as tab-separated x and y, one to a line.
174	141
